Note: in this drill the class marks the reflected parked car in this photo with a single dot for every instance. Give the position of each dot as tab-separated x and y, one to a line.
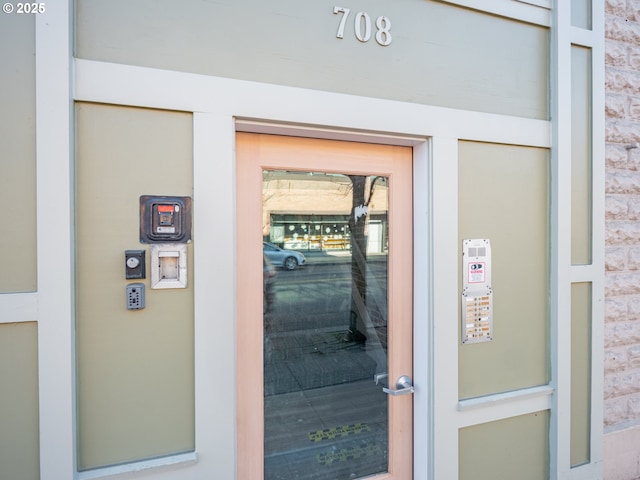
287	259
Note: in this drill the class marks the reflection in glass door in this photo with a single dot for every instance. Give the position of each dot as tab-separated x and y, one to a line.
325	328
328	323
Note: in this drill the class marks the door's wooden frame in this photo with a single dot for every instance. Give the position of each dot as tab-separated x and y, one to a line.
255	152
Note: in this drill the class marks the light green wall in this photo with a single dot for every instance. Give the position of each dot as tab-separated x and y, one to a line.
515	448
18	161
440	54
19	441
581	13
503	196
135	368
581	162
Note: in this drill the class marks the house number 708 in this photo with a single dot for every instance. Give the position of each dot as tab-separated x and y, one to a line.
362	26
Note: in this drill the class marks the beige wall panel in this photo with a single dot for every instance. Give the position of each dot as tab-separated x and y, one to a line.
135	368
19	450
580	373
517	447
440	54
503	196
18	160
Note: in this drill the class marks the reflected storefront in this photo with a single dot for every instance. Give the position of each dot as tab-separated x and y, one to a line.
293	222
322	233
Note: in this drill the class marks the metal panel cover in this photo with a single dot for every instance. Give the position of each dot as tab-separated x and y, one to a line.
477	296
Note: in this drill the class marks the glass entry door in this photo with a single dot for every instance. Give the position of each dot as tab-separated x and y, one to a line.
324	331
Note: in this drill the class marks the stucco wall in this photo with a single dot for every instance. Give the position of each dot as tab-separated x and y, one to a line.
622	321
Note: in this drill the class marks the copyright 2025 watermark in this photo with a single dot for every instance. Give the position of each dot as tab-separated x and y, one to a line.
24	8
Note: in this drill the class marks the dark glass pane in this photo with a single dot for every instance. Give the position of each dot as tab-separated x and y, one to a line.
325	325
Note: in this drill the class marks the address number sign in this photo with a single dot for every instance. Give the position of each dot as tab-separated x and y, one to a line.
362	26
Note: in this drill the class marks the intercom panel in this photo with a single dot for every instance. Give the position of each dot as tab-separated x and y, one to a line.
477	295
165	219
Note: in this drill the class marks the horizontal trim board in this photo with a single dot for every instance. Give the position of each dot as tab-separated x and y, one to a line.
583	273
128	469
491	408
583	38
537	12
539	3
152	88
588	471
500	398
254	126
18	307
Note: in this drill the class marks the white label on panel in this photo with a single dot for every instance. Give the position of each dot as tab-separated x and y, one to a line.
477	272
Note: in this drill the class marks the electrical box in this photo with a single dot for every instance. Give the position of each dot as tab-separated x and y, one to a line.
165	219
134	264
135	296
477	295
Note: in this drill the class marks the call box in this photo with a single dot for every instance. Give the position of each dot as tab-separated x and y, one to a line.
165	219
477	295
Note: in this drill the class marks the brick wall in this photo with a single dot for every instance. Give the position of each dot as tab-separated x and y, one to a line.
622	276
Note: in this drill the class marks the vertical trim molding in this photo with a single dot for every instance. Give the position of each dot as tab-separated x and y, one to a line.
423	314
560	314
55	242
598	238
214	294
445	306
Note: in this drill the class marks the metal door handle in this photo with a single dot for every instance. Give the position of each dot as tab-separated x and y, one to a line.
403	387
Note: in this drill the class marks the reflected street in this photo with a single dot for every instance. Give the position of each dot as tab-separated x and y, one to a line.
323	411
317	296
